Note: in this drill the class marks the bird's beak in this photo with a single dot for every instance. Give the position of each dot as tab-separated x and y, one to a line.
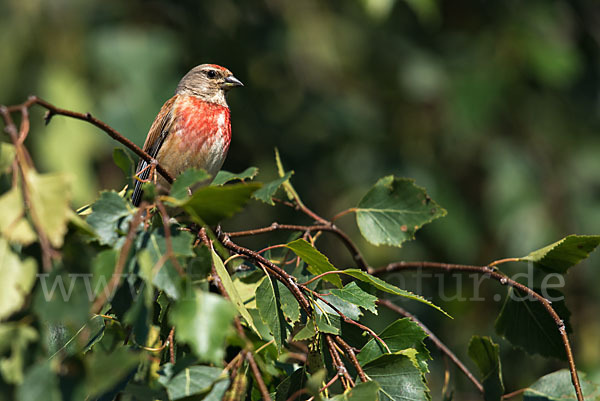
231	82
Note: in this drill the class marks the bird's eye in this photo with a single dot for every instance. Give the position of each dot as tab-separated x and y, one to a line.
211	74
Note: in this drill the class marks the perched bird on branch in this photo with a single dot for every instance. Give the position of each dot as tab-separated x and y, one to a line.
192	129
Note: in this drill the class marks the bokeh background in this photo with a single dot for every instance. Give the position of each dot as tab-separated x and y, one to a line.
493	106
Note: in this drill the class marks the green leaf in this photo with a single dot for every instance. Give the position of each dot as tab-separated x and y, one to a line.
123	161
49	197
317	262
557	386
389	288
400	335
289	303
269	306
18	277
7	156
527	325
16	337
354	294
107	212
287	185
189	178
40	383
485	354
203	322
327	322
13	224
393	210
167	278
367	391
231	291
111	367
307	332
212	204
561	255
266	193
224	177
193	380
398	377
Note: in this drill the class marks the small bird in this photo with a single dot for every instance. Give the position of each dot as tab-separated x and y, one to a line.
193	128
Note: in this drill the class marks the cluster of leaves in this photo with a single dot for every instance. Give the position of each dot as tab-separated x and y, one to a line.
150	303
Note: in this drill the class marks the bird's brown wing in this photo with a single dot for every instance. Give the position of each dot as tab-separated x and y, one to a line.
160	129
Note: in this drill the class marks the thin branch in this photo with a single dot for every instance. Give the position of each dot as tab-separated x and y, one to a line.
259	380
113	133
438	343
168	242
280	274
337	362
503	279
352	356
327	227
171	340
513	394
116	277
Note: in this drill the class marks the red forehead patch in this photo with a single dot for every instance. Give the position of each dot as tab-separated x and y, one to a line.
217	67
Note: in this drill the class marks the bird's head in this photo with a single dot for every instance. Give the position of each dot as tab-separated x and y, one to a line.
209	82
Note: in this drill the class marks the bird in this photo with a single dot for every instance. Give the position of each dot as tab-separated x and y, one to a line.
192	129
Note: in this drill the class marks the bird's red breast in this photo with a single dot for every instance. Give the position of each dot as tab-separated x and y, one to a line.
199	136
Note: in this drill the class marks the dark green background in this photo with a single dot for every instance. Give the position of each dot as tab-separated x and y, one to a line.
493	106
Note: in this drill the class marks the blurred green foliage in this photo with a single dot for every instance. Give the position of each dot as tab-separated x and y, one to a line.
493	106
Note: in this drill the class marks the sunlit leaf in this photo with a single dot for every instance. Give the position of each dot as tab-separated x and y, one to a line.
203	322
526	323
232	291
13	224
354	294
269	189
485	354
224	177
214	203
316	261
50	195
367	391
398	377
389	288
18	277
400	335
7	156
393	210
16	337
561	255
269	307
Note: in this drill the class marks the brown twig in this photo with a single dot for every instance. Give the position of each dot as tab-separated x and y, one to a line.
277	272
113	133
337	362
327	227
513	394
503	279
352	356
168	242
325	387
171	340
438	343
116	276
259	380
